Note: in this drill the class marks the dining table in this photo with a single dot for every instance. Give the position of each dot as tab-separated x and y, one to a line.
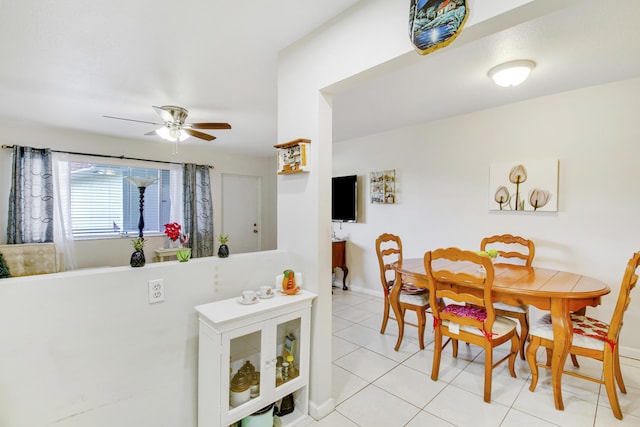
558	292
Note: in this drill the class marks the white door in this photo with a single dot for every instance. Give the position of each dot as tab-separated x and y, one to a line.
241	212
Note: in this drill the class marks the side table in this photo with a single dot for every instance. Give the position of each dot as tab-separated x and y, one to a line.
339	259
163	253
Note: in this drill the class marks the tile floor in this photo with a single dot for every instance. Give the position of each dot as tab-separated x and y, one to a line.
375	386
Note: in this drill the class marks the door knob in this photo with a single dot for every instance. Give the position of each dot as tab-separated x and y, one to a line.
255	231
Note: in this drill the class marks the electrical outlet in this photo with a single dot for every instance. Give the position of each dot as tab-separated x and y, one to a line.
156	291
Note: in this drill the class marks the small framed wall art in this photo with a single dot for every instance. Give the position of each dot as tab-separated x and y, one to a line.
382	186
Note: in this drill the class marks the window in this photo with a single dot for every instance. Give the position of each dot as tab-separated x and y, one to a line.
104	203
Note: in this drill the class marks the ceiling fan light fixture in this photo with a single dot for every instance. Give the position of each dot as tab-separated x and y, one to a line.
183	135
511	73
164	133
172	133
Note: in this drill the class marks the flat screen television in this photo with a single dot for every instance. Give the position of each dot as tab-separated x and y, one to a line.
344	198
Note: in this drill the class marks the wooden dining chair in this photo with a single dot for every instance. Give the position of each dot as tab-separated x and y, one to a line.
467	280
389	250
513	249
591	338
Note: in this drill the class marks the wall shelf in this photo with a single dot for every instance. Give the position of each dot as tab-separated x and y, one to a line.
293	156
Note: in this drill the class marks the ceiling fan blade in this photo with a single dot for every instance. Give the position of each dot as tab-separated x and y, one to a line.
200	135
131	120
153	132
164	114
209	125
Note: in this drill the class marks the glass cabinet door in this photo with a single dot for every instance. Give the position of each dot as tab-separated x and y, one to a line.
287	351
292	354
244	353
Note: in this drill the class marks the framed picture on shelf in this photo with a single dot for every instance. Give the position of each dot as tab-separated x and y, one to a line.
383	186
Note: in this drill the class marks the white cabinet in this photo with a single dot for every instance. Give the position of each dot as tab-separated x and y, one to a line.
230	334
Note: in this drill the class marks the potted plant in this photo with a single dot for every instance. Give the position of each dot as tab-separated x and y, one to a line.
223	250
4	268
137	257
183	254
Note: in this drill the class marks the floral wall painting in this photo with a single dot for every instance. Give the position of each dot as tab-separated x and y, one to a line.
524	186
435	23
383	186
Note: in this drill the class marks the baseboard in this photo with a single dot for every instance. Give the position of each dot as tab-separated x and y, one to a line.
630	352
319	411
367	291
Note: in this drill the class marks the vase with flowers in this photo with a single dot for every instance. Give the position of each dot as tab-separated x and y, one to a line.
176	238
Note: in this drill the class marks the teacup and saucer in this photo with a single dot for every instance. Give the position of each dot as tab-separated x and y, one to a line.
248	297
266	292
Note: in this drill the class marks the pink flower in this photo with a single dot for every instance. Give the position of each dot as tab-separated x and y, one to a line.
184	239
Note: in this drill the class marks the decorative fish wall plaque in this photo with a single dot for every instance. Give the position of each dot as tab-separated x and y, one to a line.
436	23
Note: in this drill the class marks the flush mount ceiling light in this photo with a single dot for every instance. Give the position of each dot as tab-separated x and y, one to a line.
511	73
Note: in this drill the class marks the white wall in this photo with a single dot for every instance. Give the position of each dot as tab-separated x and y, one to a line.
362	42
304	112
442	172
85	348
115	252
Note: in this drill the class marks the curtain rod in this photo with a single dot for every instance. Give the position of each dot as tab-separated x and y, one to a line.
112	157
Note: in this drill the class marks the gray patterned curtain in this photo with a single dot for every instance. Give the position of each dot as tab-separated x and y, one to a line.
31	197
198	209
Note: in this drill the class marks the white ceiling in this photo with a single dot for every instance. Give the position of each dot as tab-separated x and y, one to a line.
66	63
588	43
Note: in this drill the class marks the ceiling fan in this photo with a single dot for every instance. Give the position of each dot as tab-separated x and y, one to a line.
174	127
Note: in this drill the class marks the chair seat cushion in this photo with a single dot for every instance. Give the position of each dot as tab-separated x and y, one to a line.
477	313
515	308
415	299
408	288
587	332
501	325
